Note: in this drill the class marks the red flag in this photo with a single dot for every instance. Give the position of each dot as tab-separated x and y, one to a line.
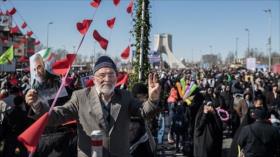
14	30
116	2
13	81
95	3
122	79
129	7
89	83
111	22
29	33
83	27
23	25
37	42
30	137
12	11
102	41
125	53
23	59
61	66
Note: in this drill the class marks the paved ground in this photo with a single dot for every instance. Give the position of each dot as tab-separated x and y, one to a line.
168	150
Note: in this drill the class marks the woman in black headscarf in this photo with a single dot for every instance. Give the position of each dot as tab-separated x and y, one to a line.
208	134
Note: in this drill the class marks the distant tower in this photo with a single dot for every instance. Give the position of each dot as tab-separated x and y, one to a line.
163	44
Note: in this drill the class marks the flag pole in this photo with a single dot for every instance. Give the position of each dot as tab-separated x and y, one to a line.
30	154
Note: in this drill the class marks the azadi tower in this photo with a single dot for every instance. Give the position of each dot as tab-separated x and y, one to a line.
163	45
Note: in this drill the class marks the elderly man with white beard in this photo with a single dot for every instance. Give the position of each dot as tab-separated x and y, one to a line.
102	107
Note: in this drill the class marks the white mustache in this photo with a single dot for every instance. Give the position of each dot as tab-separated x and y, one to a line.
106	88
38	78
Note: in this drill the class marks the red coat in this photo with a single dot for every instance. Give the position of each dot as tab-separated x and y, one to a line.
173	96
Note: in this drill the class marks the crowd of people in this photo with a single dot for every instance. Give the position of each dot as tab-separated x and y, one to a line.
227	103
202	106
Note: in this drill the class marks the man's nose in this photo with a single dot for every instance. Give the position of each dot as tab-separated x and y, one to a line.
107	78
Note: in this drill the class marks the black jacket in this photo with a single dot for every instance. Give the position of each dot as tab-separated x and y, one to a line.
208	135
259	139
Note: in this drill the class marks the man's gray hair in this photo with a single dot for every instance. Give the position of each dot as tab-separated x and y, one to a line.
38	57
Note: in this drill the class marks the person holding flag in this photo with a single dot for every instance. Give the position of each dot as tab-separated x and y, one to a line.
102	108
58	141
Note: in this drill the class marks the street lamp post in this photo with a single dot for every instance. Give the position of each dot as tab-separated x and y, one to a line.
246	29
48	26
268	11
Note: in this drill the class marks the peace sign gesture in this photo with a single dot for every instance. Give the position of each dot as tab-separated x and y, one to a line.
154	87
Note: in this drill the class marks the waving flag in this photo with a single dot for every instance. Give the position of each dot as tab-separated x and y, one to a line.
129	7
116	2
95	3
14	30
30	137
111	22
84	26
122	79
7	56
125	53
47	55
29	33
60	67
102	41
12	11
23	25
